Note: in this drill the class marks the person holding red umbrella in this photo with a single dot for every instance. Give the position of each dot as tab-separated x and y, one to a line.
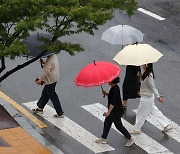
97	74
114	114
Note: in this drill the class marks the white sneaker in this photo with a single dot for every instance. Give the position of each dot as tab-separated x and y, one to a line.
129	142
167	128
101	141
133	132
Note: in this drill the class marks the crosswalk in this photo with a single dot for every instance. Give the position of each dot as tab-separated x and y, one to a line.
72	129
88	139
143	141
174	133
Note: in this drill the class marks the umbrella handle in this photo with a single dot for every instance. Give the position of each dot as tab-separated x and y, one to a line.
102	90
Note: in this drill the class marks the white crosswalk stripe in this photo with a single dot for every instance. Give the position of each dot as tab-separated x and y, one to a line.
72	129
142	140
174	133
151	14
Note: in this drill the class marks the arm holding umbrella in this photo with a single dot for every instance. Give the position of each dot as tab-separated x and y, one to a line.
104	92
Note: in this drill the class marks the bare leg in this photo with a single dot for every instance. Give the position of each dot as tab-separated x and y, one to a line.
124	104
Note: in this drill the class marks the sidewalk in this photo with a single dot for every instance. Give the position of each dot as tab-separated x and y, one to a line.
18	136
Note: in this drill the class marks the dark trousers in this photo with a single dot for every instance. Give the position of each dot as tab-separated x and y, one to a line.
118	123
49	93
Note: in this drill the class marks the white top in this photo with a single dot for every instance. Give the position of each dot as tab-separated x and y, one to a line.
148	88
51	69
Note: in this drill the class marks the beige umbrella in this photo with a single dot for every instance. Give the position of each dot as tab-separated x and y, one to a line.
137	55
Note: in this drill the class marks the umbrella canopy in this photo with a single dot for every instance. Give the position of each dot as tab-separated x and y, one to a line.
137	55
33	42
97	73
122	34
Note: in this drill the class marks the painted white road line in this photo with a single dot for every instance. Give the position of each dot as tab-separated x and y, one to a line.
142	140
72	129
151	14
174	133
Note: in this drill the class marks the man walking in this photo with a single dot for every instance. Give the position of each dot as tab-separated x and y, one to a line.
49	77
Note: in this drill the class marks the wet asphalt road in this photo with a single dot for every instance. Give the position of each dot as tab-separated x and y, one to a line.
163	35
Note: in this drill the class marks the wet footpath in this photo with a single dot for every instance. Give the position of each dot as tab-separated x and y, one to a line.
18	136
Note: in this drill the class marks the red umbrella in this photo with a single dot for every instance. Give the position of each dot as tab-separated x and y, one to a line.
97	73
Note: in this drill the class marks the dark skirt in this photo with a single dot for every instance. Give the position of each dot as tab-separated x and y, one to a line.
131	90
131	84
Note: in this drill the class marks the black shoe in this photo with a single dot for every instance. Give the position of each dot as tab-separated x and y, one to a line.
37	110
59	115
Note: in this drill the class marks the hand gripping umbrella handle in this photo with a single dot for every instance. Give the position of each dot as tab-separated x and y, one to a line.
102	90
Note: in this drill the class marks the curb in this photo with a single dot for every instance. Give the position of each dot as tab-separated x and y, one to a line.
27	127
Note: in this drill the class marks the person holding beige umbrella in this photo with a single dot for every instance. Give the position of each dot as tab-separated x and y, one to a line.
134	56
131	83
97	74
144	55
